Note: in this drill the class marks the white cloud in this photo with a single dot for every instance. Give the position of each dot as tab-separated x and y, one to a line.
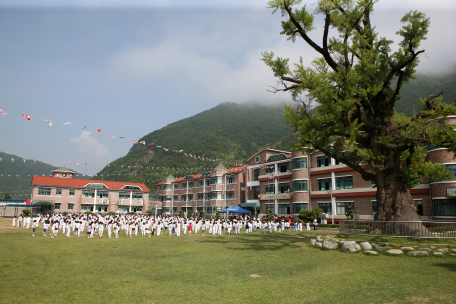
89	146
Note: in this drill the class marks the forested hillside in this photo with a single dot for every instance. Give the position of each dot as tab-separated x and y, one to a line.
229	132
423	86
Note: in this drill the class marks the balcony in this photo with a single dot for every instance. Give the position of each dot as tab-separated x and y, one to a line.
102	201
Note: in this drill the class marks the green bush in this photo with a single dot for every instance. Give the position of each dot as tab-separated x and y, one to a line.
65	212
26	212
149	211
305	215
181	213
189	213
269	213
88	212
111	212
131	212
315	214
217	215
201	214
328	225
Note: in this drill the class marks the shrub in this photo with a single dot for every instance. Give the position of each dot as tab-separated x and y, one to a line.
270	214
315	214
305	215
181	213
88	212
26	212
349	212
65	212
201	213
189	213
131	212
149	211
111	212
217	215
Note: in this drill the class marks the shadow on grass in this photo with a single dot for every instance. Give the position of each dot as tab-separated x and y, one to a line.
449	266
259	242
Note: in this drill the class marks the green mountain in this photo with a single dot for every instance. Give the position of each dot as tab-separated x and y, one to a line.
423	86
16	176
228	133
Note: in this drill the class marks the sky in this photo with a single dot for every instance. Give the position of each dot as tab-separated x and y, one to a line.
132	67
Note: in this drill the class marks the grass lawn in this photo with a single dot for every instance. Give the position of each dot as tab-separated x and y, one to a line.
278	268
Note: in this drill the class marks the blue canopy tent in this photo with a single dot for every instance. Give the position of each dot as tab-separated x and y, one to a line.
235	209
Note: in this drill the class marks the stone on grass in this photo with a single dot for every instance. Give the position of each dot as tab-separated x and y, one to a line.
442	250
454	250
371	252
395	251
426	249
350	245
406	248
418	253
366	245
453	254
330	245
319	238
438	253
433	247
380	248
312	242
318	244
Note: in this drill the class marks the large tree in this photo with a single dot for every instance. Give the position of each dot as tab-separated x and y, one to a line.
346	99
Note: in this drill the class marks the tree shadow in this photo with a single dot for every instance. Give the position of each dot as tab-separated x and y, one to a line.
450	266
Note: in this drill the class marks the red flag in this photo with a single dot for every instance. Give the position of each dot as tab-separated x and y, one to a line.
98	131
3	112
133	141
185	154
151	144
86	164
26	116
142	142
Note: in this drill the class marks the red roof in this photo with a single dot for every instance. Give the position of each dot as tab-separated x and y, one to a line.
72	182
237	169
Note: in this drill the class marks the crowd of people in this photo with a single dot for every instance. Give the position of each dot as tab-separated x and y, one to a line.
149	225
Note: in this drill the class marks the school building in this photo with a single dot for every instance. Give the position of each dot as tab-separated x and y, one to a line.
61	192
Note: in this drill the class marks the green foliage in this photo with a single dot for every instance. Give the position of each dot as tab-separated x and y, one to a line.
181	213
305	215
26	212
201	214
112	212
349	212
189	213
131	212
269	213
65	212
7	195
315	214
88	212
149	211
230	132
217	215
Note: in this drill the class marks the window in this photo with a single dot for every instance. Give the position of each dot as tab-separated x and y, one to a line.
270	188
217	180
284	187
176	186
207	182
88	193
57	206
44	191
102	194
257	159
139	196
284	208
161	188
256	173
124	195
230	179
86	208
201	183
283	167
230	195
300	185
327	207
270	206
323	161
184	185
190	197
190	185
208	196
373	184
324	184
216	194
342	208
134	188
167	198
445	207
200	196
174	210
256	192
64	174
419	207
184	197
297	207
97	186
58	192
276	157
71	193
269	169
344	182
175	197
166	187
70	207
452	169
299	163
374	207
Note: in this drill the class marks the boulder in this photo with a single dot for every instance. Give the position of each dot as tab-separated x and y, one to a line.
318	244
350	245
312	242
366	245
380	248
418	253
426	249
371	252
330	245
319	238
453	254
442	250
438	253
453	250
395	251
406	248
433	247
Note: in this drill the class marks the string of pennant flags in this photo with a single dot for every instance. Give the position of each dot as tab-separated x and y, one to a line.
197	157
